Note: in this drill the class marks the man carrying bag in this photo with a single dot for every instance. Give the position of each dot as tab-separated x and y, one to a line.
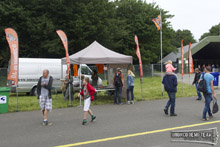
206	86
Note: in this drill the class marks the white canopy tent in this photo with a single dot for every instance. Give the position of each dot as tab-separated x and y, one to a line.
95	53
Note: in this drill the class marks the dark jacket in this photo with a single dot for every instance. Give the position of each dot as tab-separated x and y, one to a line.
49	87
170	83
196	78
94	79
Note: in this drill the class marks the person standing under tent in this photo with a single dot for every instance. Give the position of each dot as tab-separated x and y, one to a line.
130	83
118	83
196	82
94	78
44	87
69	87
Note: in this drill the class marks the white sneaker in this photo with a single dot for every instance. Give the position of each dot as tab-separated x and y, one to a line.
132	102
128	102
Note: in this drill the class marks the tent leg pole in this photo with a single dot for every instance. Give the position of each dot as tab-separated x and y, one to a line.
80	85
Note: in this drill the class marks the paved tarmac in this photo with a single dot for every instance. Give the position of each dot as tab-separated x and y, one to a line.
23	129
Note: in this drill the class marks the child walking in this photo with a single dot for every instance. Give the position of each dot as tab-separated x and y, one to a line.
88	95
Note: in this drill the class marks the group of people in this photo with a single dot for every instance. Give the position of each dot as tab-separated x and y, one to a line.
118	82
45	82
214	67
170	85
44	87
68	87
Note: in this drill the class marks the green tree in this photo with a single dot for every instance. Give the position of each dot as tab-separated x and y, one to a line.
111	23
186	35
214	31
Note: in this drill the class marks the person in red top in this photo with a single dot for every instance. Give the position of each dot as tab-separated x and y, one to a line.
88	95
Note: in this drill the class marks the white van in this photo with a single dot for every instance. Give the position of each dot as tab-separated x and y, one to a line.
31	69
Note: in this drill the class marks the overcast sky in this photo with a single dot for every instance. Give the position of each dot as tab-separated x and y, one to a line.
198	16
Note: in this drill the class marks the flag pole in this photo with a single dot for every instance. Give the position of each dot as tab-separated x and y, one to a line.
17	98
161	54
70	105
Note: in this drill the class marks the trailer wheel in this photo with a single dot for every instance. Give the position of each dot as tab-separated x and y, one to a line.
34	91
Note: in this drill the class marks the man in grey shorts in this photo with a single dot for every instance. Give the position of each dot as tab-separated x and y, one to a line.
44	87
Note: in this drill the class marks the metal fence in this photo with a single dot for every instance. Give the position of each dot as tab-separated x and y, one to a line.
156	68
147	71
3	77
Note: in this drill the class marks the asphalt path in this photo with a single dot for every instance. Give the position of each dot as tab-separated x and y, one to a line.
114	122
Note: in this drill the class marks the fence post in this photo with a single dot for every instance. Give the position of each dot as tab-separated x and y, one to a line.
152	69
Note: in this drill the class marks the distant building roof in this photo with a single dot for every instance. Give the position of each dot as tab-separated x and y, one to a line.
173	56
195	48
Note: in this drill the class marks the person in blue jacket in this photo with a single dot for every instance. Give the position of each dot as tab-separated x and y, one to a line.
130	83
170	86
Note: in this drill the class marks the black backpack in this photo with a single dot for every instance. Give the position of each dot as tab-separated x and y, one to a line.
202	85
118	81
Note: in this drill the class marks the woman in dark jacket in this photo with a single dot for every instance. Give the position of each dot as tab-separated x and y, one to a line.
196	80
95	78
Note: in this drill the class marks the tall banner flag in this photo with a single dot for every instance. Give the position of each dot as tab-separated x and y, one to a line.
157	22
64	40
12	39
182	57
191	70
139	56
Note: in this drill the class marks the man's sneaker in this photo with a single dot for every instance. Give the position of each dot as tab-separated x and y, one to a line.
93	118
173	114
199	99
84	122
165	111
132	102
205	119
128	102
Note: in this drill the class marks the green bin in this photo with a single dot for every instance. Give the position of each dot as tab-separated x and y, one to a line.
4	91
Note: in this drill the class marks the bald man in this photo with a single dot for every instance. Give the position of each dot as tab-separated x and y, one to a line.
44	95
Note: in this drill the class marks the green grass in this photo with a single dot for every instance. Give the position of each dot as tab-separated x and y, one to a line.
151	91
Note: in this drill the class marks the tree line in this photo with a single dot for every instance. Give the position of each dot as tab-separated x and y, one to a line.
112	23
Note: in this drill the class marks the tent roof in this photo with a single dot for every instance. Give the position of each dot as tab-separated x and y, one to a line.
95	53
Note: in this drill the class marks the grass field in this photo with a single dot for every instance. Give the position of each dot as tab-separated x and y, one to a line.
151	91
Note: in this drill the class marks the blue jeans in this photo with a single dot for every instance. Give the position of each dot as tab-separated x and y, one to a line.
198	92
208	99
118	91
130	88
172	100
